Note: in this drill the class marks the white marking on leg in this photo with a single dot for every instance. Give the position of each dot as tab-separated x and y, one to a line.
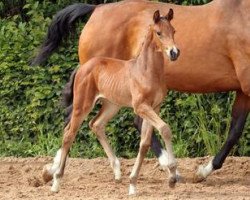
164	161
49	169
55	170
163	158
132	189
56	163
205	171
56	183
117	169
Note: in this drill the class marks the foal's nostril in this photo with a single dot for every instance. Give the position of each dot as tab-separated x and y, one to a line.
178	52
173	55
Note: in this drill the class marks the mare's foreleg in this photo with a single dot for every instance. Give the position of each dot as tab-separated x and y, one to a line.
240	112
98	125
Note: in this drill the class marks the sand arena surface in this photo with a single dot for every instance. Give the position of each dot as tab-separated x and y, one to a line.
20	178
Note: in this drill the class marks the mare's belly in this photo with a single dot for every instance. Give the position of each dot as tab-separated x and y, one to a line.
201	75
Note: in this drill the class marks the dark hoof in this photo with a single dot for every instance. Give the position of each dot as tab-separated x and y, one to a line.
172	181
118	180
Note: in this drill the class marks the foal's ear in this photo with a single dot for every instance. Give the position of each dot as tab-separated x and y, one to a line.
157	16
170	15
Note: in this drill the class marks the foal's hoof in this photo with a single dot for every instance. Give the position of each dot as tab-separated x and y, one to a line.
118	180
172	181
47	176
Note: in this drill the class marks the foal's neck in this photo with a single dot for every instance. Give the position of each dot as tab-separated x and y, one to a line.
150	56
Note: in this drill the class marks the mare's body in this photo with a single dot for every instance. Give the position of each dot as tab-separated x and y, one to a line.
214	40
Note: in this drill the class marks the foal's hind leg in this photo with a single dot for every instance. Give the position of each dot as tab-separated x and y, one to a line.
98	124
83	103
70	132
240	112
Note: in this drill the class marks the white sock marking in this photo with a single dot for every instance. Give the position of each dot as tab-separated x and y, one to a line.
132	189
117	169
163	158
56	184
56	163
205	171
54	170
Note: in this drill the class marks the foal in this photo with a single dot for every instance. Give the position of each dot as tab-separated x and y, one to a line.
138	83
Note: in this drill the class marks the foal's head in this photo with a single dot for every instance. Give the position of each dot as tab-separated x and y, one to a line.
164	33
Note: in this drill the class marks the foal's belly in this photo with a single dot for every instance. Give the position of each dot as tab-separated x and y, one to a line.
117	98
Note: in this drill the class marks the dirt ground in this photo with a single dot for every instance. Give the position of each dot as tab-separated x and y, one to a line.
20	178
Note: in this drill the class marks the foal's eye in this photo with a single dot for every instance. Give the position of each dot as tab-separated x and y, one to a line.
158	33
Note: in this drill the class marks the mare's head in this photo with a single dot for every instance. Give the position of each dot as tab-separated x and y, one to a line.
164	34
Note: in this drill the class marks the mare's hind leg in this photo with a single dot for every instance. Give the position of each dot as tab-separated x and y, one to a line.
240	112
98	125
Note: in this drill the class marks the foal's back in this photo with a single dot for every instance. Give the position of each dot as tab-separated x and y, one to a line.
111	78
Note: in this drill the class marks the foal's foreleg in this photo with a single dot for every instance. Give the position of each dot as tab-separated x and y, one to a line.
147	113
146	133
156	146
98	125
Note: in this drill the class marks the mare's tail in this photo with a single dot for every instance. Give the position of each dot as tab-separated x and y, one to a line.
67	97
59	29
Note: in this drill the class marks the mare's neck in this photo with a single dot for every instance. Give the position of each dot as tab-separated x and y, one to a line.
151	57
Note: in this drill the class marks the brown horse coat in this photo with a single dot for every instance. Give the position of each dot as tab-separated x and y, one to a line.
214	40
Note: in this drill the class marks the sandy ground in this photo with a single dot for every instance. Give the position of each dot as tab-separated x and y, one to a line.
20	178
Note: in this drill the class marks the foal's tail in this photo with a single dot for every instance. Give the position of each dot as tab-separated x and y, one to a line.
67	97
59	29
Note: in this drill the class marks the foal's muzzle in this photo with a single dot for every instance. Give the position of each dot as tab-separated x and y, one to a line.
173	53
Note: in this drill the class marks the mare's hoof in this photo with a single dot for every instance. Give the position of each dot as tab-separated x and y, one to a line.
47	176
198	178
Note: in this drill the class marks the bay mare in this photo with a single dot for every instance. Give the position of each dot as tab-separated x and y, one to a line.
214	40
138	83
